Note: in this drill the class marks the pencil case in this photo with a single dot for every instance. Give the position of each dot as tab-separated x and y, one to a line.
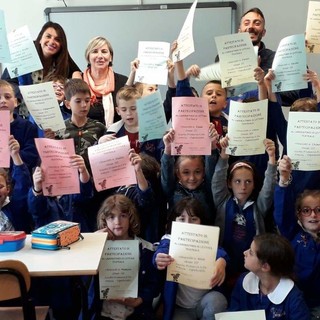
12	240
56	235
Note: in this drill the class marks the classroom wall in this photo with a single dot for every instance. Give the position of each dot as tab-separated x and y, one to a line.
31	12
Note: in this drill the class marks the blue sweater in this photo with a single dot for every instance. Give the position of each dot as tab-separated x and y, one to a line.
284	303
306	248
25	132
68	207
16	210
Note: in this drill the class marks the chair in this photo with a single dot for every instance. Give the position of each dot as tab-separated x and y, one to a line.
15	284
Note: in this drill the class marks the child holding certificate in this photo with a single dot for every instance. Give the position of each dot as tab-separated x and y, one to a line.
298	219
13	193
146	88
269	284
118	217
241	205
188	176
129	126
181	301
58	87
46	209
307	179
84	131
212	91
22	130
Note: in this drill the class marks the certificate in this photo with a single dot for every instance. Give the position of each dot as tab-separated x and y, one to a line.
4	45
119	269
24	56
194	249
43	106
4	138
247	127
153	58
241	315
60	178
303	140
185	39
190	120
152	119
290	64
238	59
110	164
313	27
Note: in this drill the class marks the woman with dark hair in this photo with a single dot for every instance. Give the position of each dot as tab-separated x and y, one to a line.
52	48
103	82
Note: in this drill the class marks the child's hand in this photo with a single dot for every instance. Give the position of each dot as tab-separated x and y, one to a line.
213	135
285	169
130	302
38	178
270	149
14	146
134	65
168	138
111	235
269	77
135	160
107	137
224	143
76	161
313	78
174	46
219	273
163	260
259	75
194	71
102	230
48	133
170	66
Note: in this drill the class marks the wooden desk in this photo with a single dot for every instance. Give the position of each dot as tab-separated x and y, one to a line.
82	259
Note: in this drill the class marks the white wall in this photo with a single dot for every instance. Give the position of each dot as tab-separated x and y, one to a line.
31	12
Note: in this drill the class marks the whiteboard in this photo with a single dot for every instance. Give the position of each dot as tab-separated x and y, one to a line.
124	26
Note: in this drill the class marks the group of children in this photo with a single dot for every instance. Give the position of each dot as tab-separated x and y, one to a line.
218	189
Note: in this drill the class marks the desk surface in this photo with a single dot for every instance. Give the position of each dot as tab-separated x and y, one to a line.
82	259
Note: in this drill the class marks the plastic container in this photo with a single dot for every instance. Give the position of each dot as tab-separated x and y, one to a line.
12	240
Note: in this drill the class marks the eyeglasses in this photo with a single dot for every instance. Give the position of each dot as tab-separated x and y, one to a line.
58	86
306	211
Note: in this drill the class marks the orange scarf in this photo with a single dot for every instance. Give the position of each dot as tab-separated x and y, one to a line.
102	91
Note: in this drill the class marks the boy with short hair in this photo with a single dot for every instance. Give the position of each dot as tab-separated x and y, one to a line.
84	131
212	91
128	125
22	130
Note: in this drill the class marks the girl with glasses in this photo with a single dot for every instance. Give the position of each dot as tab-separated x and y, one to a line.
299	221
